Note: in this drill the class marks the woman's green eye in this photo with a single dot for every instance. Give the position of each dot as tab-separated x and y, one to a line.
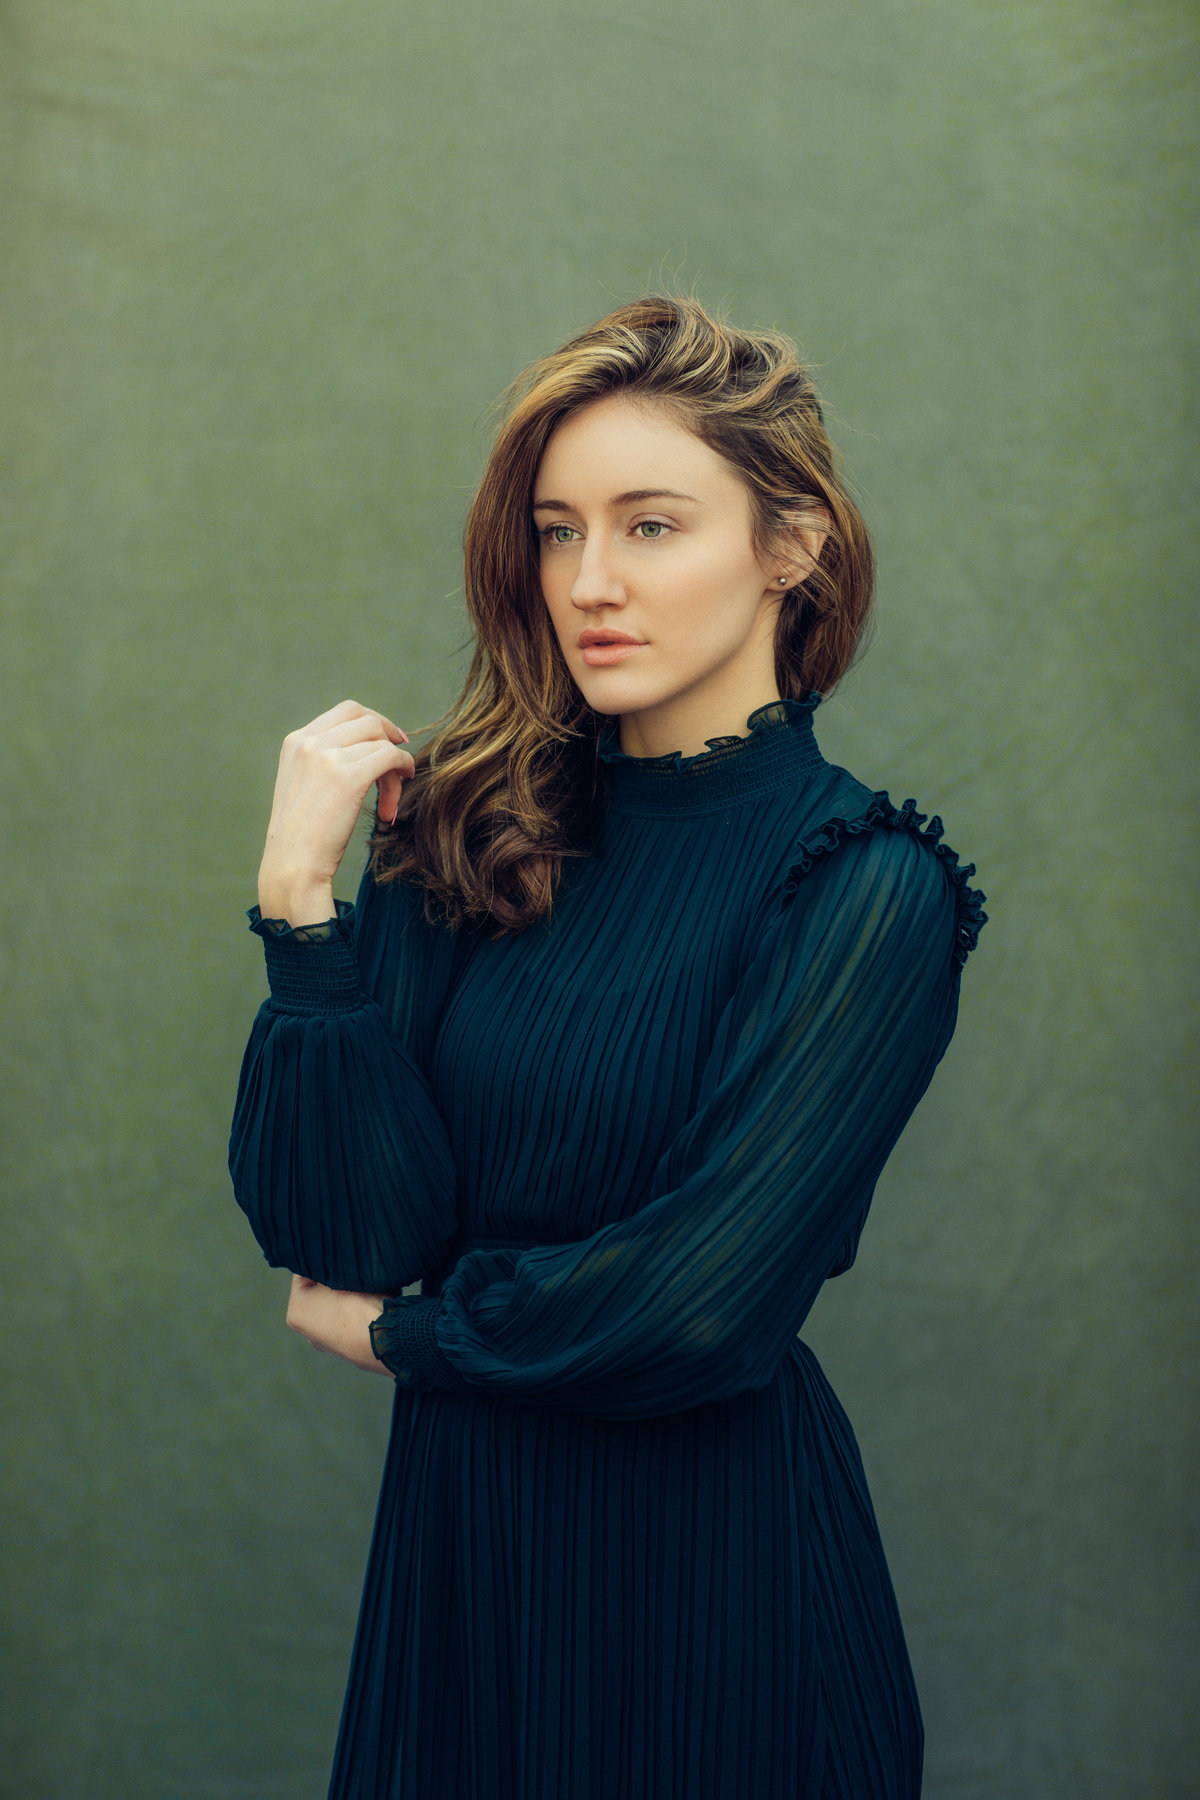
650	530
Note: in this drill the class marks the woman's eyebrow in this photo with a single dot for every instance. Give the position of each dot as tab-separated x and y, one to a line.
629	499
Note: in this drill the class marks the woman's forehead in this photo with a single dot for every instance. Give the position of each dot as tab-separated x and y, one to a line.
618	448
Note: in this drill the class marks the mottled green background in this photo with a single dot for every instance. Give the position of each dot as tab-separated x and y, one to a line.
265	265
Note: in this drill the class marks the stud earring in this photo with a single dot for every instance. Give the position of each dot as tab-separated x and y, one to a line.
783	581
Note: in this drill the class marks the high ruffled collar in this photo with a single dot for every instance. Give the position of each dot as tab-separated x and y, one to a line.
778	750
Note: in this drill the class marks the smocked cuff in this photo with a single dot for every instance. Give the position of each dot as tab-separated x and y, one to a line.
405	1341
311	968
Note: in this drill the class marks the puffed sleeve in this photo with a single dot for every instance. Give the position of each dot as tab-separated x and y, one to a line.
339	1156
819	1059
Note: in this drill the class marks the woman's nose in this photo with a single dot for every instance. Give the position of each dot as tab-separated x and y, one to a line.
596	577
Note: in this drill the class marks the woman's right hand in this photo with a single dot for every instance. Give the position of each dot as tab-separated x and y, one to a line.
325	770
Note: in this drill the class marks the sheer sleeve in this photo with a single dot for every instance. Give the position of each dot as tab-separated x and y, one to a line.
819	1059
339	1157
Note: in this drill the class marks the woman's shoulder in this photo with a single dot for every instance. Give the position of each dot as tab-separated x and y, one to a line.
840	815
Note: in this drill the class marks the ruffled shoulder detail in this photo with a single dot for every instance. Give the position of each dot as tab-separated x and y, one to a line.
882	813
774	712
328	931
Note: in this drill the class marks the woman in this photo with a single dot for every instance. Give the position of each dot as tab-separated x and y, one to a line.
637	996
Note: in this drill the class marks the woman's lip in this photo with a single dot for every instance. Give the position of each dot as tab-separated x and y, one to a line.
597	655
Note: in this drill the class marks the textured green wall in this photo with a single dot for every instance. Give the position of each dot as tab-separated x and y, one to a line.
265	265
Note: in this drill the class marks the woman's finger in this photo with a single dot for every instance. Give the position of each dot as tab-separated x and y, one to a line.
348	715
336	715
367	728
342	713
388	788
401	759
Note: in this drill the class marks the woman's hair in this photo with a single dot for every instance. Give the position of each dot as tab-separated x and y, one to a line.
511	784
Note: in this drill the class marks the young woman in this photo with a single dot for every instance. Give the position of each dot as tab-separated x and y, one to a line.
637	996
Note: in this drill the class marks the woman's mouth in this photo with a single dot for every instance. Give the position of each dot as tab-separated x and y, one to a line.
597	656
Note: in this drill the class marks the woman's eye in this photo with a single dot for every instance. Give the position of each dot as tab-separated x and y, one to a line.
653	528
554	534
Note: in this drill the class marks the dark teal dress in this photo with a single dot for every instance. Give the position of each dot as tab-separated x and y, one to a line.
624	1547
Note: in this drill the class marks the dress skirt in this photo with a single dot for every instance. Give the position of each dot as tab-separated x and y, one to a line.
558	1607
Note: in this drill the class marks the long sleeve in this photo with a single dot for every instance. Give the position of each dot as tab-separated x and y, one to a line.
819	1059
339	1157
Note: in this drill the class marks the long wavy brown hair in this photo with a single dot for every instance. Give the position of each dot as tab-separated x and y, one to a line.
510	784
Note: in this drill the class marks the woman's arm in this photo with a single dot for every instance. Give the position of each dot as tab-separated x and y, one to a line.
336	1322
339	1156
819	1060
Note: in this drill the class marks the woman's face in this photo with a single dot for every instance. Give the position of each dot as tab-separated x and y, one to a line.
645	532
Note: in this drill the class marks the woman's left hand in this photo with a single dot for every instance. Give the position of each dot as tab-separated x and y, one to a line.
337	1321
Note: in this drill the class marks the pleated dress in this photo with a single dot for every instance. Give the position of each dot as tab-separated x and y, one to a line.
624	1546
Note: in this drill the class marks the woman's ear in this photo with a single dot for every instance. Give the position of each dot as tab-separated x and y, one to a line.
807	525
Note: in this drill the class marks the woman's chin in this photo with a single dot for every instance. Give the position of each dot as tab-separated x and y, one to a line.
612	695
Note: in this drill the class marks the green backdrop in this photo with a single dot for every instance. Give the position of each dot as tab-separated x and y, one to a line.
265	264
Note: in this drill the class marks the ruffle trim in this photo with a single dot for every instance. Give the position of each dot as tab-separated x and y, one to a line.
970	916
311	969
763	718
329	930
404	1339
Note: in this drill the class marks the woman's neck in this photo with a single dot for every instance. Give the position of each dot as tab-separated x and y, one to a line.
686	721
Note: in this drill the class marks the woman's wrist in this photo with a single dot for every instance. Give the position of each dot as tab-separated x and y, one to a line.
337	1321
300	903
